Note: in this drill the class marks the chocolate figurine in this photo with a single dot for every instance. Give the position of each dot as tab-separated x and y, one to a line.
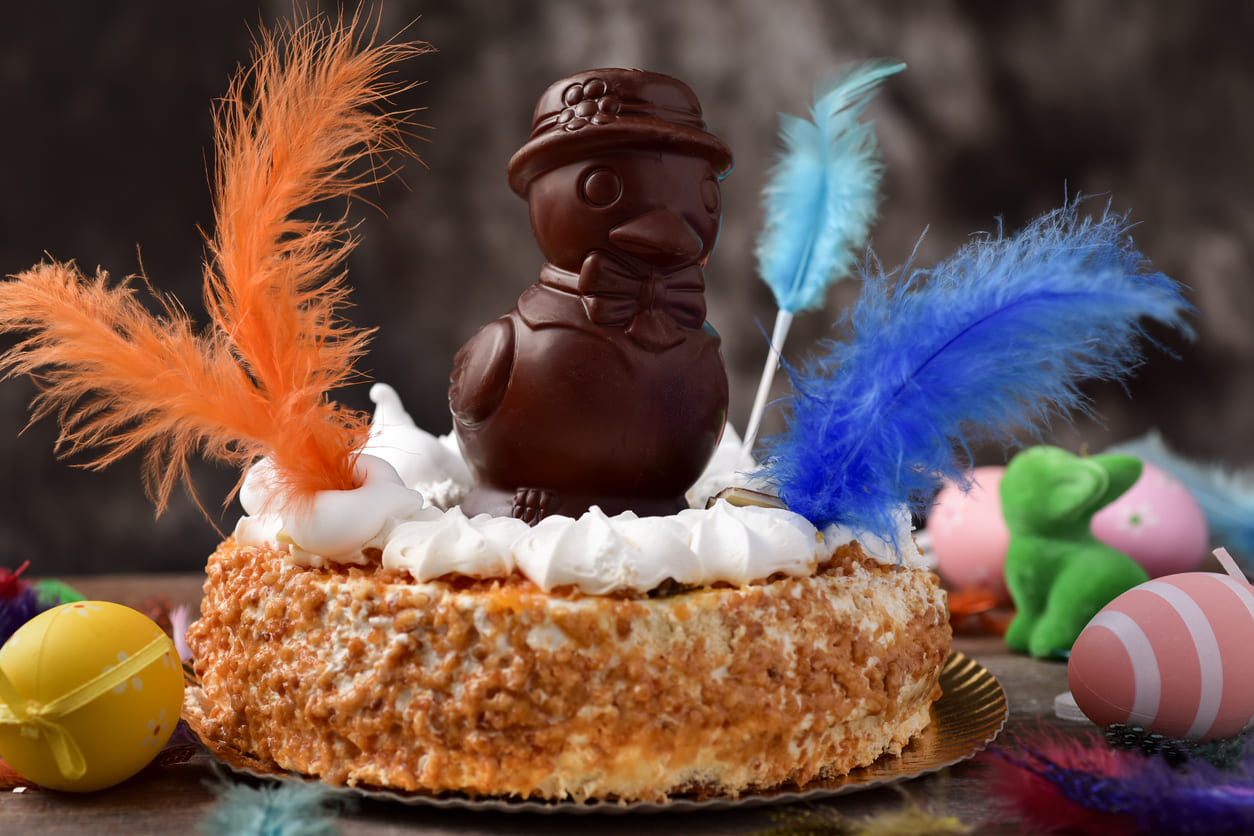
604	386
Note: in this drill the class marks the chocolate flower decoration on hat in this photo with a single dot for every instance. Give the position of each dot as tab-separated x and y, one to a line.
588	103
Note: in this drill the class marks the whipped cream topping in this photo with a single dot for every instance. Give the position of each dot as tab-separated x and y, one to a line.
432	466
447	542
406	510
336	525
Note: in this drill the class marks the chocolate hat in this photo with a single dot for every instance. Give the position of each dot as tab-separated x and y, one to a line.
597	110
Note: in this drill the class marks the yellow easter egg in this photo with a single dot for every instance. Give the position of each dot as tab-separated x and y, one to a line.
89	694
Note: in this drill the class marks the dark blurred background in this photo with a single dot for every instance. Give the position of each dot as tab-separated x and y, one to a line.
1003	111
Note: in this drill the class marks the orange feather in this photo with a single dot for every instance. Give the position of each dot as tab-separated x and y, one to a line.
294	130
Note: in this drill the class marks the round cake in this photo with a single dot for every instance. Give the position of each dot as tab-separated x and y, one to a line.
365	676
543	606
715	651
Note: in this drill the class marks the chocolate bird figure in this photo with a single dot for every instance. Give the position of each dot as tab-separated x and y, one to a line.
604	385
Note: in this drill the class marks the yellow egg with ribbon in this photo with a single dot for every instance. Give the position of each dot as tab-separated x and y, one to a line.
89	694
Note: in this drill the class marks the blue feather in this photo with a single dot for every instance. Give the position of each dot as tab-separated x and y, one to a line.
823	191
1226	498
286	808
994	339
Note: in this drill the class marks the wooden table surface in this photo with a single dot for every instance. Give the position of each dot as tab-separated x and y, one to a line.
173	799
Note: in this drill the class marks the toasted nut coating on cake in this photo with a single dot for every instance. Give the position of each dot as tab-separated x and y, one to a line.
495	688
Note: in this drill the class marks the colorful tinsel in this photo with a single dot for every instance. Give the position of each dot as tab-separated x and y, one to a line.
1083	785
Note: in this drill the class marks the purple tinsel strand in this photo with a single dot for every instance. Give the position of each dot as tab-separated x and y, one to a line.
1196	799
1192	807
16	611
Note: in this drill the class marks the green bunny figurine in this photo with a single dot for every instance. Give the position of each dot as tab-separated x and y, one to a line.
1058	573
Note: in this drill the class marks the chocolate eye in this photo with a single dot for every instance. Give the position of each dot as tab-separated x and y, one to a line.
601	187
711	196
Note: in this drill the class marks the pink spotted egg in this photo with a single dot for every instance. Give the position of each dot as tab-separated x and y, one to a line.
969	534
1171	656
1157	522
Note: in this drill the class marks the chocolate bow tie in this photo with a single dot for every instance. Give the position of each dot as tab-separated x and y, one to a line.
657	307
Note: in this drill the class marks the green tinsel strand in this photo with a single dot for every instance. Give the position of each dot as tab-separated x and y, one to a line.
52	593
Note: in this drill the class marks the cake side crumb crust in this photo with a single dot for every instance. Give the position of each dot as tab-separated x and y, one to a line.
496	688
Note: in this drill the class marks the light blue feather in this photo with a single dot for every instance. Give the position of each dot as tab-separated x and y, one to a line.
1226	497
287	808
996	338
823	191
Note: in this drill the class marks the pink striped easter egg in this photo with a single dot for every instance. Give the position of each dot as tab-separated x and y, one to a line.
1174	655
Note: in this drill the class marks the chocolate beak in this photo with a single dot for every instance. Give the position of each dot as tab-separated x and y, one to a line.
660	237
